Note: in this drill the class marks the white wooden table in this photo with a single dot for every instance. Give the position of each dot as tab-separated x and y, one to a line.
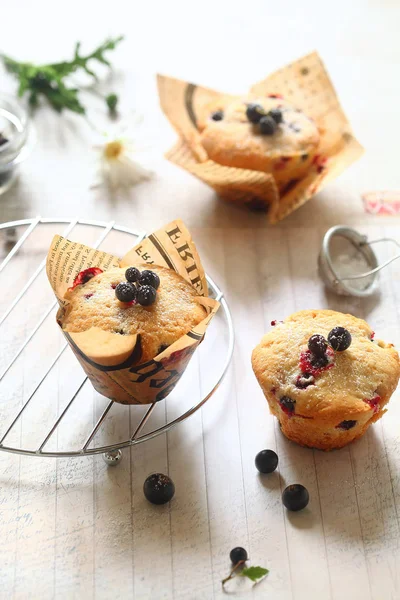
72	528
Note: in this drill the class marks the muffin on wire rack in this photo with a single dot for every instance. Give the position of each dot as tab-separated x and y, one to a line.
113	304
133	323
325	376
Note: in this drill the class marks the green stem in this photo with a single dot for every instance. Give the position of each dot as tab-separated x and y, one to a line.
231	574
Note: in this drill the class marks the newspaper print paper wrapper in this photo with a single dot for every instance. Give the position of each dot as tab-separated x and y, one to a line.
112	361
305	84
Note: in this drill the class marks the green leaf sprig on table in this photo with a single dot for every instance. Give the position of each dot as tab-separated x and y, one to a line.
49	80
252	573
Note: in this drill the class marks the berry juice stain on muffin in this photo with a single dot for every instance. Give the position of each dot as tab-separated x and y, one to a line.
85	276
373	403
315	365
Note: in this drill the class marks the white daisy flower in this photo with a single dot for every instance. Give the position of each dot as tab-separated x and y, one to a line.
120	161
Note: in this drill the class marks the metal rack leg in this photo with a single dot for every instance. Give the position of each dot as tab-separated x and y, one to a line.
112	458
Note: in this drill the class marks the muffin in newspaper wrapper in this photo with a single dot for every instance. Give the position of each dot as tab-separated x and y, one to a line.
112	361
304	84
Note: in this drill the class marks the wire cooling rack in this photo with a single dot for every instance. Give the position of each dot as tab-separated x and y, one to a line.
17	236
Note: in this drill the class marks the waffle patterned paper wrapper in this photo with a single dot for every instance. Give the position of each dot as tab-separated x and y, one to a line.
112	361
305	84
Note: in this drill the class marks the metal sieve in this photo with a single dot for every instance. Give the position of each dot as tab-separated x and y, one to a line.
347	263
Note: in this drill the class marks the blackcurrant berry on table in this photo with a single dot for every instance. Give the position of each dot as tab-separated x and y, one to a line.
266	461
317	345
125	292
132	274
238	554
339	338
158	488
146	295
267	125
149	278
254	112
295	497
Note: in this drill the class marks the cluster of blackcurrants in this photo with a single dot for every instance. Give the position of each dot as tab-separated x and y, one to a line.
140	287
267	121
339	339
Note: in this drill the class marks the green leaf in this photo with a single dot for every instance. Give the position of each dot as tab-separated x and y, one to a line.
253	573
112	101
48	80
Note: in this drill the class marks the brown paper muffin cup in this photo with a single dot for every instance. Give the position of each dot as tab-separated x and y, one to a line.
111	361
305	84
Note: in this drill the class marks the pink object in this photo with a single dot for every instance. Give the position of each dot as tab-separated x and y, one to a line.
381	203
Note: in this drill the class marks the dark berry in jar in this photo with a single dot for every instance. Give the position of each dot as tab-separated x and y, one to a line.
146	295
346	425
125	292
267	125
276	114
218	115
339	338
132	274
287	405
237	555
317	345
149	278
266	461
254	112
158	488
295	497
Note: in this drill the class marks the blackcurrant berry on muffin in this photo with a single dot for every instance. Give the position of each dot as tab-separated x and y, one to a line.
125	292
317	344
304	380
217	115
287	405
267	125
149	278
339	338
254	112
146	295
346	425
132	274
85	276
276	114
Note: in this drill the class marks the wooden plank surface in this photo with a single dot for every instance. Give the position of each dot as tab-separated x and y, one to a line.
71	528
88	530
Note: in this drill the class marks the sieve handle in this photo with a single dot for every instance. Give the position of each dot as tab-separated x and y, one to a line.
379	267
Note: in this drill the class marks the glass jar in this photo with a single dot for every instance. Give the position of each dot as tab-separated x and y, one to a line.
15	139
